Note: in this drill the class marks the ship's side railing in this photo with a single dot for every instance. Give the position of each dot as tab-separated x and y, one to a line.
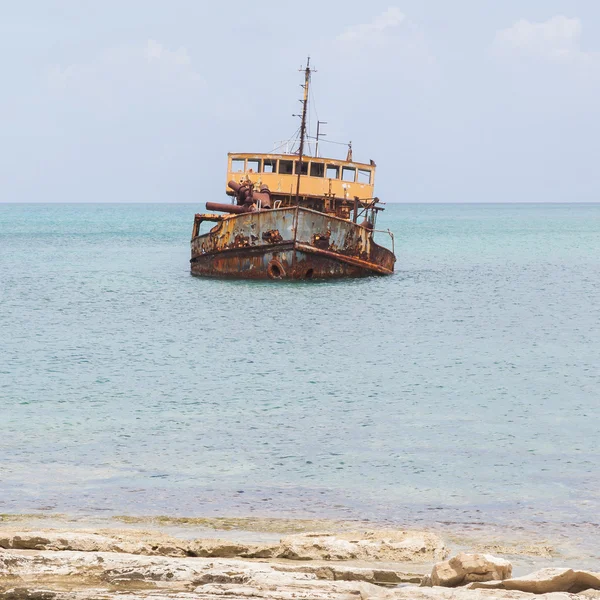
202	218
390	234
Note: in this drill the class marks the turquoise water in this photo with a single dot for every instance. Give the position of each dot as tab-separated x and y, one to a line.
464	388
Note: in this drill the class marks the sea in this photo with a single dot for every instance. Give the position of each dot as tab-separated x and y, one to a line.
465	388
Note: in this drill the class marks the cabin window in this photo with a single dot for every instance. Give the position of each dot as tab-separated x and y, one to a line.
269	165
364	176
348	173
304	168
333	172
286	167
238	165
253	165
317	169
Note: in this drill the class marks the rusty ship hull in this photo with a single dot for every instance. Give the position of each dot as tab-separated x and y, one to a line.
293	243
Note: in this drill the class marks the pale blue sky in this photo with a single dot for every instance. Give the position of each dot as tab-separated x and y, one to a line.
140	100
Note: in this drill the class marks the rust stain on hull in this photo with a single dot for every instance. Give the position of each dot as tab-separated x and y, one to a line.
280	244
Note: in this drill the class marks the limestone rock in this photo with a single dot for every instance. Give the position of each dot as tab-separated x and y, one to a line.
336	572
132	542
555	580
467	568
389	545
75	575
462	593
9	561
26	594
215	548
482	567
147	565
398	546
34	540
445	575
486	585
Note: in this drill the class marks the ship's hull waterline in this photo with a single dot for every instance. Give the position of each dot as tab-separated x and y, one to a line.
288	243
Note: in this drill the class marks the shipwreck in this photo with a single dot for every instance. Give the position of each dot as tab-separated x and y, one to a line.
293	215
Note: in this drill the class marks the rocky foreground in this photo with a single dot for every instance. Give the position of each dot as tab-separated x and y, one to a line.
394	565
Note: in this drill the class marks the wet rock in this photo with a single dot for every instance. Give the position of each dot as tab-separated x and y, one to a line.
399	546
467	568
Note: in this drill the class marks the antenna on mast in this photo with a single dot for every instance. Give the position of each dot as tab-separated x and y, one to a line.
307	72
319	135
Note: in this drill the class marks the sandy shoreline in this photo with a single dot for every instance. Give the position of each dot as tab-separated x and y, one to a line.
164	557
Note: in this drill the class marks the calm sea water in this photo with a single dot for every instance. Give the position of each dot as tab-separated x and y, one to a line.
465	387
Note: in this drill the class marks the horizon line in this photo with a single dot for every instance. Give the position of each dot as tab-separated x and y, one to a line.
512	202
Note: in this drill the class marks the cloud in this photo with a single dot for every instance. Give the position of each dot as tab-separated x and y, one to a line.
556	40
389	38
119	76
157	52
391	19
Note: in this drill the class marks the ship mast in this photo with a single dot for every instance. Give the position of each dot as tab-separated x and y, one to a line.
306	85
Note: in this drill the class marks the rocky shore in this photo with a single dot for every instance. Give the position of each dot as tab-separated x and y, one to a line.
126	563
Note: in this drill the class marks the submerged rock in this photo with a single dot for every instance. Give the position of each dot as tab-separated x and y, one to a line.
539	549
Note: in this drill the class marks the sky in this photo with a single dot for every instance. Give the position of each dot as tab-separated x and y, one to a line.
140	100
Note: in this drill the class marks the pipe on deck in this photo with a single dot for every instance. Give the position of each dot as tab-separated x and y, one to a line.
228	208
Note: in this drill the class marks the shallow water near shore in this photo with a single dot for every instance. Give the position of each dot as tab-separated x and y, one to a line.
463	390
